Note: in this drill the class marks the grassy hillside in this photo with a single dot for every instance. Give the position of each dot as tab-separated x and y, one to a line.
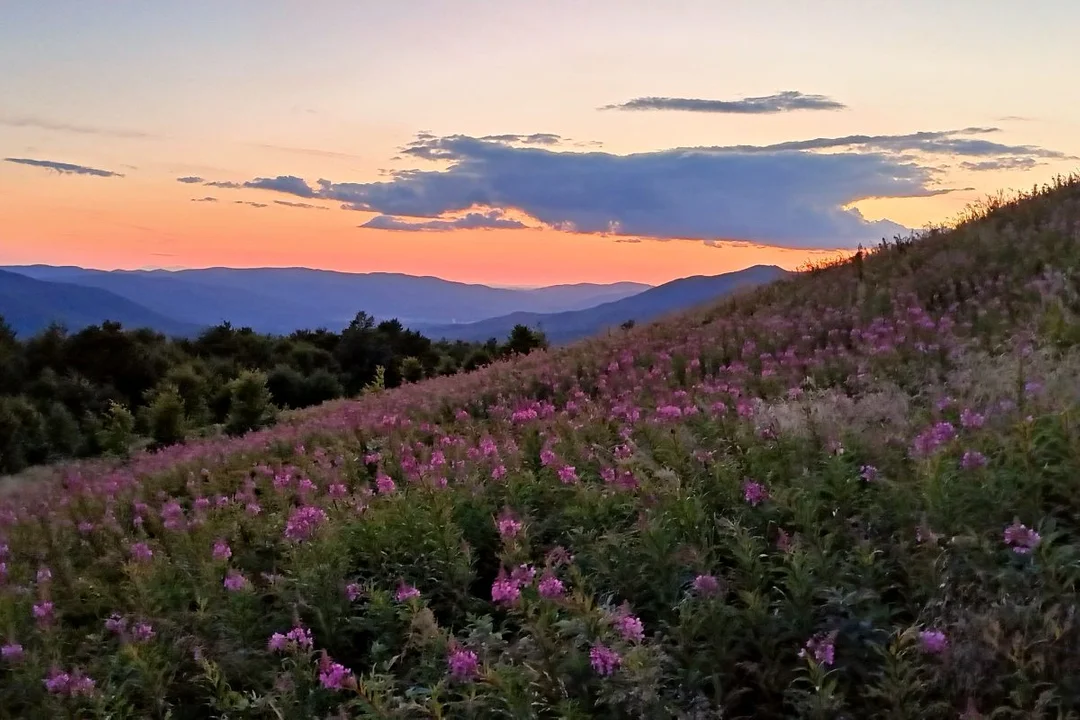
847	494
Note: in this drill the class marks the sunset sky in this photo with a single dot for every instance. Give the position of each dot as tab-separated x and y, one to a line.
517	143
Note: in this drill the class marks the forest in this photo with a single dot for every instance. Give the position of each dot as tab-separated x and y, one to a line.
107	389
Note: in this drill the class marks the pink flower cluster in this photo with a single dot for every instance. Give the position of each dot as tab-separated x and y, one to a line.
1021	538
821	648
299	638
303	522
463	664
604	660
71	684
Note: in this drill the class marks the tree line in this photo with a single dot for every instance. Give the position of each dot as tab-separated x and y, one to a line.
107	389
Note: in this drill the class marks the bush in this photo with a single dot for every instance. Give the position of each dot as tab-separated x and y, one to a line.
166	416
117	430
250	404
23	434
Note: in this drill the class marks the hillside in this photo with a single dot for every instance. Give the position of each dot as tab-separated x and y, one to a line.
846	494
30	305
642	307
281	300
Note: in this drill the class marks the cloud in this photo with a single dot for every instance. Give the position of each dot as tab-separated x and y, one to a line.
27	121
252	204
942	142
190	179
282	183
793	194
204	199
309	151
472	221
64	168
534	139
302	205
786	101
1005	163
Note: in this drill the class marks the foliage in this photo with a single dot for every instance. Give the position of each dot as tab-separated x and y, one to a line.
71	380
848	494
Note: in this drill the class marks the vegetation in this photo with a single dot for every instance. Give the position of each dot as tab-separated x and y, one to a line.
848	494
105	389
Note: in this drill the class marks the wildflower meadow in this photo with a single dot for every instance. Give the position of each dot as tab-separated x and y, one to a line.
847	494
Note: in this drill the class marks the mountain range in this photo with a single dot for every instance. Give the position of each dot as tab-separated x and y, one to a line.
644	306
281	300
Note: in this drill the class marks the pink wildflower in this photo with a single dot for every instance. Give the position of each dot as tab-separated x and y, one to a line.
508	525
406	592
222	551
385	484
334	676
551	587
353	592
630	627
869	473
463	664
706	585
505	590
604	660
43	612
235	581
972	460
141	552
1022	539
11	652
44	575
933	642
303	521
299	638
754	492
142	632
116	624
821	648
568	474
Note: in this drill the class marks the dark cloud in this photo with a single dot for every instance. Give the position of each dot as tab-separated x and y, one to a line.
282	183
43	124
224	184
190	179
942	142
794	194
786	101
472	221
301	205
64	168
534	139
252	204
1005	163
204	199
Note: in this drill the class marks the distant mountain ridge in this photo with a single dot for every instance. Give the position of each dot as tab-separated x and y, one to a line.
281	300
29	305
649	305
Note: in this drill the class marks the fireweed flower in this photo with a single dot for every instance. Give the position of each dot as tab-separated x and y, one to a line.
505	590
222	551
44	575
353	592
11	652
706	585
508	525
1021	538
869	473
385	484
299	638
551	587
43	612
116	624
334	676
235	581
303	521
630	627
141	552
754	492
463	664
604	660
933	642
568	474
821	648
142	632
62	683
973	459
406	592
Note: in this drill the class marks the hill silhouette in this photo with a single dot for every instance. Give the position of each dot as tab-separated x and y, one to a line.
641	307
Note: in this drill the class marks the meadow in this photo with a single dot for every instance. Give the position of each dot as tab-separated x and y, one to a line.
848	494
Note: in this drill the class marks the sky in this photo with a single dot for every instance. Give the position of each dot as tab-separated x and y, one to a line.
517	143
